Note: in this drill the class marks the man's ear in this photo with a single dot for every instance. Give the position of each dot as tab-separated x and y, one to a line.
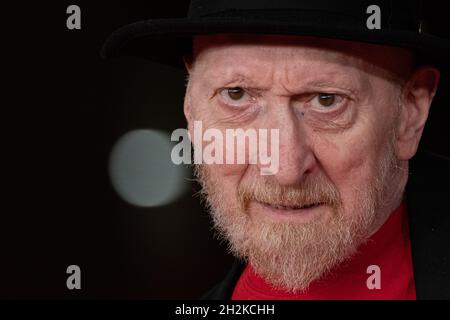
187	108
417	96
187	102
188	63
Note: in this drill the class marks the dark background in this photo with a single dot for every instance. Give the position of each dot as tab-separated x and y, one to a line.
63	109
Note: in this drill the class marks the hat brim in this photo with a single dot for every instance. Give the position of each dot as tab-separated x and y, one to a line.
167	40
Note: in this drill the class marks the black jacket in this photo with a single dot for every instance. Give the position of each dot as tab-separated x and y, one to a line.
428	208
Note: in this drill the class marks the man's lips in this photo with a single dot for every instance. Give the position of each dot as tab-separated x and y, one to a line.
287	212
280	210
290	207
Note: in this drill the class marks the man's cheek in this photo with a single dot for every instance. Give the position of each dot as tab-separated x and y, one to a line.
348	166
342	156
226	179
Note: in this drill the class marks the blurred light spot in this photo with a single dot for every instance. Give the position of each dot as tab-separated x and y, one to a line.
142	171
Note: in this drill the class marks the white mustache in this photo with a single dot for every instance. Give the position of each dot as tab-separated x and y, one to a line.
307	194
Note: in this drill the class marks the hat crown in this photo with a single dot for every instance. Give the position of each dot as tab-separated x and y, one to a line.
396	14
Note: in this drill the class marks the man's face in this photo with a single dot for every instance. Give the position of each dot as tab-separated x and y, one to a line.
336	106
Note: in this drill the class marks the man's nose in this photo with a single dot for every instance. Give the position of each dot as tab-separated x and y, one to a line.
296	159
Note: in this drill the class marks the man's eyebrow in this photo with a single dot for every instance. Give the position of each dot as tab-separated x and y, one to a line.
235	77
344	83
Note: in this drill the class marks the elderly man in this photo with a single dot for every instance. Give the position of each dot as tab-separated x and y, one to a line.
345	215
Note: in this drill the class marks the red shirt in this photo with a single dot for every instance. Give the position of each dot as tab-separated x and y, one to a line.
389	248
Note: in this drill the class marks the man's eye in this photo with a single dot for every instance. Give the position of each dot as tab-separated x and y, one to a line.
326	100
236	97
235	93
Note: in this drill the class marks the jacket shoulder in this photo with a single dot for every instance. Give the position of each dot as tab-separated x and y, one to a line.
224	289
428	208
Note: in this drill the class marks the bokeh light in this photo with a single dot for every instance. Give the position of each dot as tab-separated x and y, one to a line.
142	172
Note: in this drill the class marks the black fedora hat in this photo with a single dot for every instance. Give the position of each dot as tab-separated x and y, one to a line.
406	24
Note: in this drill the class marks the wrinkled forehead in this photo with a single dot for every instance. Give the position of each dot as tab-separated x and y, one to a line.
215	52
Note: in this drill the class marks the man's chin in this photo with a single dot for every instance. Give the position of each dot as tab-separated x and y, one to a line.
294	272
290	255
